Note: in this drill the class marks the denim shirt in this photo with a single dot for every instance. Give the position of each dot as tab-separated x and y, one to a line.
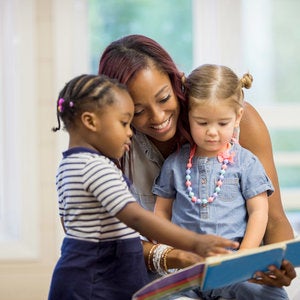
244	179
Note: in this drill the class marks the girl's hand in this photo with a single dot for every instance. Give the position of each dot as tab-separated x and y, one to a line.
276	277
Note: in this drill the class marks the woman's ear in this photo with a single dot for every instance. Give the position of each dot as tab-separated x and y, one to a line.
239	117
89	120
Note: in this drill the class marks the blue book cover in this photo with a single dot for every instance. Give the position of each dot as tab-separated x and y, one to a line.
292	252
241	266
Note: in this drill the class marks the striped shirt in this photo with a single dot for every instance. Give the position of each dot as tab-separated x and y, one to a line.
91	191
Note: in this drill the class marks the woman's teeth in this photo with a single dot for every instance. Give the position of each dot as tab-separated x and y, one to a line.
162	125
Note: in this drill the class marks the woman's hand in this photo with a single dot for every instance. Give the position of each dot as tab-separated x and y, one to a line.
276	277
179	259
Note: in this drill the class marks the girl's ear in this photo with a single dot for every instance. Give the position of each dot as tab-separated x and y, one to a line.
239	117
89	120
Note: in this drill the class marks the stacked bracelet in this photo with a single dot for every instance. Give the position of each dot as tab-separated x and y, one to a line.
150	258
159	258
164	258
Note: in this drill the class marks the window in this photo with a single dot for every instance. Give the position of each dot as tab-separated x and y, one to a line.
168	22
261	37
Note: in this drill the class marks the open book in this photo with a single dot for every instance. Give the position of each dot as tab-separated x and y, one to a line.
219	271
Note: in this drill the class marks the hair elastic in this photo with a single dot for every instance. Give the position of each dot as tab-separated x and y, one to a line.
60	104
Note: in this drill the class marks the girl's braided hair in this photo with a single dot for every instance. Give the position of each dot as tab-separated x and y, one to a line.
84	93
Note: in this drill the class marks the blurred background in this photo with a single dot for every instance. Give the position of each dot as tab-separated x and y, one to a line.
44	43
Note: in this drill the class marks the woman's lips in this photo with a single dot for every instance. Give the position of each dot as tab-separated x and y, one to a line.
162	126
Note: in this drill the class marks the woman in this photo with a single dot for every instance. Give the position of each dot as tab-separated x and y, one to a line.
160	124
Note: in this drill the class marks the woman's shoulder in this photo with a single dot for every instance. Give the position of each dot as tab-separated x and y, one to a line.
250	125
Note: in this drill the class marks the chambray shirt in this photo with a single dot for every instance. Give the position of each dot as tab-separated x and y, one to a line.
142	165
244	179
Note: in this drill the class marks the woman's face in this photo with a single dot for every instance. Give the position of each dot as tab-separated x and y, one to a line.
156	107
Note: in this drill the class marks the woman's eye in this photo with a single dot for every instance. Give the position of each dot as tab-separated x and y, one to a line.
138	113
165	99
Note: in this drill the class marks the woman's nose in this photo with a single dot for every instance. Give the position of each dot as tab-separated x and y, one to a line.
156	115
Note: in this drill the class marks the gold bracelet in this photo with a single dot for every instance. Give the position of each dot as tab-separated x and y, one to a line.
163	262
150	257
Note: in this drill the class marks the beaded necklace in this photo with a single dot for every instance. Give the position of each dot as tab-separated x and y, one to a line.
225	158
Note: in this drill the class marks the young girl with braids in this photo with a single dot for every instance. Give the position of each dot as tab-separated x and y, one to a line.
101	254
215	186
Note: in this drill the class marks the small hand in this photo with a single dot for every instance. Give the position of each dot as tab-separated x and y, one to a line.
213	245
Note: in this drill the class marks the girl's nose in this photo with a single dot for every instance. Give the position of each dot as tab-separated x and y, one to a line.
211	131
130	132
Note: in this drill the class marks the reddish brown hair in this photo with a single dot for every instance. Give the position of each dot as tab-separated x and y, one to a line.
123	58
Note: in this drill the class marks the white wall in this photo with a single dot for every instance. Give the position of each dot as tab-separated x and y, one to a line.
43	45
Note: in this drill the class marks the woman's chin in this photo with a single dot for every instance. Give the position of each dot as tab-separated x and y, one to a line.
163	136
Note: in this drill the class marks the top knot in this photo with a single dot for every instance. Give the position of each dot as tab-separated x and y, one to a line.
246	81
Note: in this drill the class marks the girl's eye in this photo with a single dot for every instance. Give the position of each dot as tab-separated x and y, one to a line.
164	100
126	123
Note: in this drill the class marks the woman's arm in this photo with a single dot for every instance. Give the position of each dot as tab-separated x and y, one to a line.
255	137
257	208
176	258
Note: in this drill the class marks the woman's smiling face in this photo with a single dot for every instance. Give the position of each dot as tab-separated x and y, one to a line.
156	108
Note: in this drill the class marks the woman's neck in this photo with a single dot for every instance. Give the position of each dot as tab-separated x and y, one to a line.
166	147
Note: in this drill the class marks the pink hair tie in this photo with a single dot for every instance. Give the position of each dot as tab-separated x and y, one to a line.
60	104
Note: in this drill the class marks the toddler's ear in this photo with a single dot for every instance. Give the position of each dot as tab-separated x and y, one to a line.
239	117
89	120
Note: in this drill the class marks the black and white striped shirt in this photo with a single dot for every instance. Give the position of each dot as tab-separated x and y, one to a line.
91	191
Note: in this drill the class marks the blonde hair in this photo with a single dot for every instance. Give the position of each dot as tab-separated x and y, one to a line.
216	82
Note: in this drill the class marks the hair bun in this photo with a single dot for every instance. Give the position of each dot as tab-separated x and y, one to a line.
246	81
